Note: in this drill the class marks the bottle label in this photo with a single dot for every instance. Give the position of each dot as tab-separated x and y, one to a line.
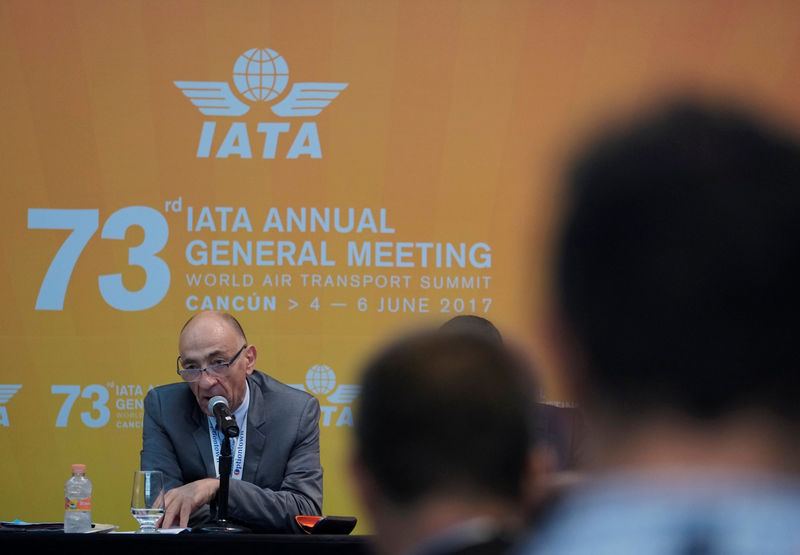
78	504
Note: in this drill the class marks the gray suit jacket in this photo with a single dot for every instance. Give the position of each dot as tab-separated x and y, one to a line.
282	474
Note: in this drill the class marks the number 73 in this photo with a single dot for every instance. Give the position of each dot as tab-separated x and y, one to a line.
98	404
84	224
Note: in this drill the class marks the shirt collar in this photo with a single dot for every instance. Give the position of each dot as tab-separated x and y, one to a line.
240	414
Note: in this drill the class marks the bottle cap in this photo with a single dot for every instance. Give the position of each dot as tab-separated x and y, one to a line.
79	468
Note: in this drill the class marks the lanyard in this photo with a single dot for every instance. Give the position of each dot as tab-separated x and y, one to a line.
238	450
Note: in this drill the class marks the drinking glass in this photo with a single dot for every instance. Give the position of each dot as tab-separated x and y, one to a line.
147	499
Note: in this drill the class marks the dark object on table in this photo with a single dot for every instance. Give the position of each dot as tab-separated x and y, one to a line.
326	524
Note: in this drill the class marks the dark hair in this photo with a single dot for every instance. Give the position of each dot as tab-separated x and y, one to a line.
470	323
443	412
679	263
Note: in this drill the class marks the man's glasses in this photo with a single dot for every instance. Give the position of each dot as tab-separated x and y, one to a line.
217	370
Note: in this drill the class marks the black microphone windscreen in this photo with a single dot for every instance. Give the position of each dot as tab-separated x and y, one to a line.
214	401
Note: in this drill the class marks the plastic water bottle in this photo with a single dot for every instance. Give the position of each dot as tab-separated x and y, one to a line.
78	501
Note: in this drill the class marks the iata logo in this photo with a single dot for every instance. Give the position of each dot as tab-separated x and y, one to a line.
7	391
260	75
321	381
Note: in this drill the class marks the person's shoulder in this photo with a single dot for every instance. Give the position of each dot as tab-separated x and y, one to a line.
270	385
492	546
638	511
169	391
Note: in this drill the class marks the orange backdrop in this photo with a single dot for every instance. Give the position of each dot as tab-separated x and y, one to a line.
130	200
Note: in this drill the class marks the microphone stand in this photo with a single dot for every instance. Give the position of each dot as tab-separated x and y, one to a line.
222	523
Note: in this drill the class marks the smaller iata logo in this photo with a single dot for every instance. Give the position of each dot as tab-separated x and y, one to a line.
7	391
321	381
260	75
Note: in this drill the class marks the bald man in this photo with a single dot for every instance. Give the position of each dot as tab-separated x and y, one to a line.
276	472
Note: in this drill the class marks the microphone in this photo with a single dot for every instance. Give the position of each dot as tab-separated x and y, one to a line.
218	406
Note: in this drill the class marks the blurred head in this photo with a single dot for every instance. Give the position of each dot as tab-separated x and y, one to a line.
527	371
679	265
470	323
211	338
442	415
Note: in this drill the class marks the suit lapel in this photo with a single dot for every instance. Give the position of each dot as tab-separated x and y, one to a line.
256	429
203	442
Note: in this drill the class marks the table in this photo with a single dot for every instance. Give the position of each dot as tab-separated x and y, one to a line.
49	541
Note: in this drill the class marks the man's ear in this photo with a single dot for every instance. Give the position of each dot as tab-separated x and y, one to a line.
364	483
540	467
569	357
250	354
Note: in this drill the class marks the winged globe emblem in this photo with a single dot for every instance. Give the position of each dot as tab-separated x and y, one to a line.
321	380
260	75
7	391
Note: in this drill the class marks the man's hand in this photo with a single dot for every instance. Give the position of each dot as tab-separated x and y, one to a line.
180	503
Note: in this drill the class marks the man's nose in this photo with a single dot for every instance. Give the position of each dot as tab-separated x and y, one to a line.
207	380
